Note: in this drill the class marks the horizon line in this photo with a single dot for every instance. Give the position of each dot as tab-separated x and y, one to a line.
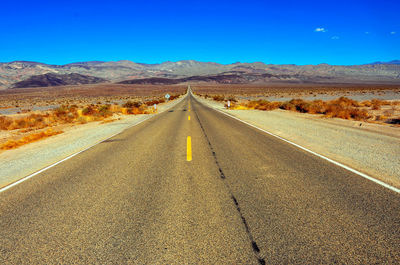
185	60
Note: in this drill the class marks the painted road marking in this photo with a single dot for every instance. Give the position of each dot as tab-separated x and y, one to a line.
189	118
392	188
189	149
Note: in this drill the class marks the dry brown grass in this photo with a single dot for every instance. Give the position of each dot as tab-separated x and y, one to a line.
342	107
71	114
256	104
11	144
74	105
276	89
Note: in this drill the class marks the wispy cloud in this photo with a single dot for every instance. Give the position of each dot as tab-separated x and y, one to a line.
393	32
335	38
367	32
320	30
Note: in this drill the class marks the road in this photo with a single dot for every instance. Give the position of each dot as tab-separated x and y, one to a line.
244	198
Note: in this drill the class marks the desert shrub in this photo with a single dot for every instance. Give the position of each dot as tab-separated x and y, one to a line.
359	114
5	122
380	118
287	106
312	107
81	120
11	144
218	98
60	111
130	104
376	104
260	105
343	108
338	111
88	111
345	102
104	111
366	103
172	97
155	101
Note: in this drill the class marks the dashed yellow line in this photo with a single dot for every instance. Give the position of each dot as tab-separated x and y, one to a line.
189	149
189	118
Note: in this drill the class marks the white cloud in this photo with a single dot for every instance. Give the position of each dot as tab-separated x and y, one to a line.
393	32
367	32
320	30
335	38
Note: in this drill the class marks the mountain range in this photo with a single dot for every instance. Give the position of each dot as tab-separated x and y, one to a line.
19	74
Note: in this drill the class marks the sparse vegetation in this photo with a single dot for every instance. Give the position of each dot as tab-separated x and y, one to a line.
218	98
343	107
27	125
11	144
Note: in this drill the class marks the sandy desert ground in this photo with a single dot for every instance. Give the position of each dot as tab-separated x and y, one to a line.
28	115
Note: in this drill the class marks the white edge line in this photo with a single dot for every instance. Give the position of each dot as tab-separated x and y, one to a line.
319	155
77	153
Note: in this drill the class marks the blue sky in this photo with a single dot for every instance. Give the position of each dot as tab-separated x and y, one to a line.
279	32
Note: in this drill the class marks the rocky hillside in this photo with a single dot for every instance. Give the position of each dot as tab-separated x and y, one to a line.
52	79
15	72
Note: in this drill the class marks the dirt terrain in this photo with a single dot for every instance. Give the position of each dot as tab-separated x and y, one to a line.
371	103
29	115
295	90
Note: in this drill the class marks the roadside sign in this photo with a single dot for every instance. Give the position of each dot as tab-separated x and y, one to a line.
229	104
167	96
155	106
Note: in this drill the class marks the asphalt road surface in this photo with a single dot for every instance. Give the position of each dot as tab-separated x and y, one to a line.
244	198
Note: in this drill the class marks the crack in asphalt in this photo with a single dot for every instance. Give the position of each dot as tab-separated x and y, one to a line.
254	245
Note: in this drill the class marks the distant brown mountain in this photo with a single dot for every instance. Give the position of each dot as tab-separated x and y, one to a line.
52	79
11	74
233	77
391	62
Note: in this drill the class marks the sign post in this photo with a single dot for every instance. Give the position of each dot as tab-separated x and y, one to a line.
229	104
167	96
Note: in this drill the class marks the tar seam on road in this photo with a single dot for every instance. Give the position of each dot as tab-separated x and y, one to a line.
392	188
254	245
77	153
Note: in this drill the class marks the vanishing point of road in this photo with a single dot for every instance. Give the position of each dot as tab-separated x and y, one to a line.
194	186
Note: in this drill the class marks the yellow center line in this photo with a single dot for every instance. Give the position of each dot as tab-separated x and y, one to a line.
189	149
189	118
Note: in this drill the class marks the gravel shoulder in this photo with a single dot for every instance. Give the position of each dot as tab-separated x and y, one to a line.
18	163
370	148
